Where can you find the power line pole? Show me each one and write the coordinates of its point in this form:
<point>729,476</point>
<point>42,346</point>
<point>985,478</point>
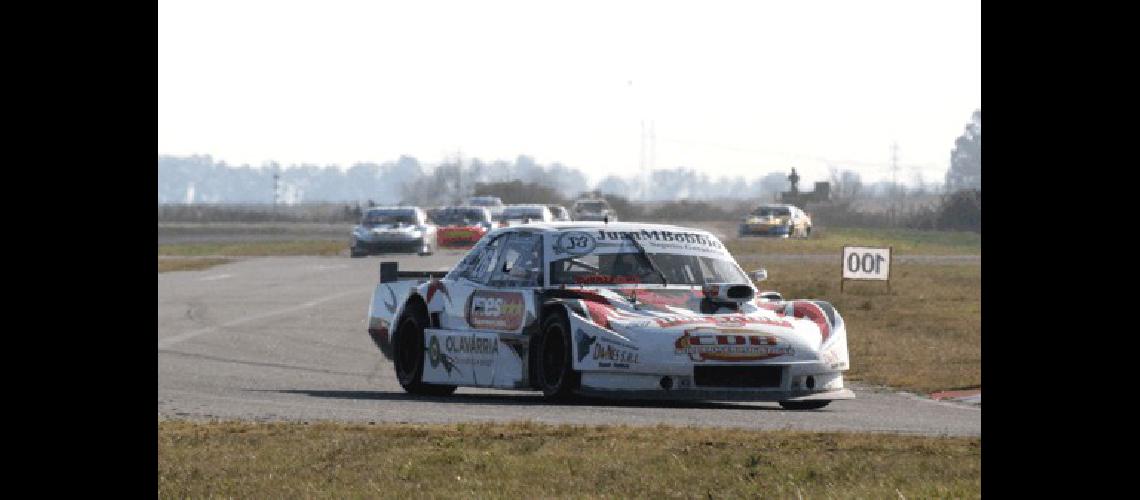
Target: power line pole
<point>276,177</point>
<point>652,145</point>
<point>894,163</point>
<point>459,176</point>
<point>641,165</point>
<point>894,180</point>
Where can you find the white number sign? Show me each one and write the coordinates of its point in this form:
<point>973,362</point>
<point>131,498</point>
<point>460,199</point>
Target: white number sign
<point>866,263</point>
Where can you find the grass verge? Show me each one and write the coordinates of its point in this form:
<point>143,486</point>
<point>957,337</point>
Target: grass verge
<point>255,248</point>
<point>527,460</point>
<point>924,334</point>
<point>168,265</point>
<point>832,240</point>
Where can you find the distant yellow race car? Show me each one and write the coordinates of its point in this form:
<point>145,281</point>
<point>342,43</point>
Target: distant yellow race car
<point>786,221</point>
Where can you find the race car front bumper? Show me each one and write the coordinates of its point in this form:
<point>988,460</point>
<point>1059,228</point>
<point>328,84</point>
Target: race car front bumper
<point>458,237</point>
<point>765,230</point>
<point>794,382</point>
<point>416,245</point>
<point>721,395</point>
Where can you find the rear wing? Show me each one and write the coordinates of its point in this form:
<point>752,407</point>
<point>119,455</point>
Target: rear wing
<point>389,272</point>
<point>389,298</point>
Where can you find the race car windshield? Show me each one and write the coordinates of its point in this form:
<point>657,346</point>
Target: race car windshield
<point>635,268</point>
<point>771,211</point>
<point>519,213</point>
<point>388,218</point>
<point>460,217</point>
<point>486,202</point>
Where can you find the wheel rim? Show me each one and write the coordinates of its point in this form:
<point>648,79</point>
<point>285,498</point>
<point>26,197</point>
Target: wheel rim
<point>408,355</point>
<point>553,357</point>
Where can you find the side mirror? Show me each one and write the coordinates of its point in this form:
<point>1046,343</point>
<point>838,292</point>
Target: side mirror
<point>759,274</point>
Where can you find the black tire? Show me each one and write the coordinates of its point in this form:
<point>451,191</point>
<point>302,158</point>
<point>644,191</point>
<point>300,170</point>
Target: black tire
<point>807,233</point>
<point>408,347</point>
<point>554,371</point>
<point>354,253</point>
<point>804,405</point>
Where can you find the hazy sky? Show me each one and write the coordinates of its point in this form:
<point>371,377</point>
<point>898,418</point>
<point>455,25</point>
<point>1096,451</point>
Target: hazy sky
<point>731,87</point>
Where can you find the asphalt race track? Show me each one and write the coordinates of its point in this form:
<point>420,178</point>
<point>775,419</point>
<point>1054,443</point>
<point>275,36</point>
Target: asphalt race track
<point>283,338</point>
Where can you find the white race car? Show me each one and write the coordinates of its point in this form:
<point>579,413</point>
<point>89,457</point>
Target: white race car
<point>625,310</point>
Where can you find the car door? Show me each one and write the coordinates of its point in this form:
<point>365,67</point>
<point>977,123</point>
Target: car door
<point>454,352</point>
<point>490,293</point>
<point>504,302</point>
<point>472,273</point>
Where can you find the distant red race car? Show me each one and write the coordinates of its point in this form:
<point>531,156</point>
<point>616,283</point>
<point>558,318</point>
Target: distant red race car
<point>462,226</point>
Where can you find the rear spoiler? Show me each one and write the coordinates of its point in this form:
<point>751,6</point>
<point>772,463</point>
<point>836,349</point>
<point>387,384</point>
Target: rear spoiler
<point>389,272</point>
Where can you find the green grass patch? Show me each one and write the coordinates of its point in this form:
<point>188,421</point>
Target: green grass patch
<point>255,248</point>
<point>196,264</point>
<point>832,241</point>
<point>923,334</point>
<point>526,460</point>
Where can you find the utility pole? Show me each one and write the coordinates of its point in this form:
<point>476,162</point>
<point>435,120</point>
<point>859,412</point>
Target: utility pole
<point>459,176</point>
<point>641,165</point>
<point>652,145</point>
<point>275,179</point>
<point>894,180</point>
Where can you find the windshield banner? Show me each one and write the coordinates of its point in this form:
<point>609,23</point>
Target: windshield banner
<point>599,241</point>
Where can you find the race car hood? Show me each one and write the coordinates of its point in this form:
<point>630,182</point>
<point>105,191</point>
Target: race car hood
<point>671,320</point>
<point>389,228</point>
<point>387,231</point>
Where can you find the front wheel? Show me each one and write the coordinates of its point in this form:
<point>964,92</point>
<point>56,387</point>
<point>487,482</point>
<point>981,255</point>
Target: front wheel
<point>803,405</point>
<point>409,359</point>
<point>555,372</point>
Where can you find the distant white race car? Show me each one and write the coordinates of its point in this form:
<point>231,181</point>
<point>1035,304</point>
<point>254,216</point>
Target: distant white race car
<point>393,230</point>
<point>624,310</point>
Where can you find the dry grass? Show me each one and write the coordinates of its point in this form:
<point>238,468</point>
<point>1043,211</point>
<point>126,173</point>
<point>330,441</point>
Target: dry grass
<point>526,460</point>
<point>832,240</point>
<point>190,264</point>
<point>924,334</point>
<point>256,248</point>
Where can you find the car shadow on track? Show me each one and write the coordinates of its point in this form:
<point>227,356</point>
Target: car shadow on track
<point>523,399</point>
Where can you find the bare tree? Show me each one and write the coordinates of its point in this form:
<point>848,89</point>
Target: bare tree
<point>966,157</point>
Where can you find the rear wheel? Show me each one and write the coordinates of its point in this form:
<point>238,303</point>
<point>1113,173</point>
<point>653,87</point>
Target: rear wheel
<point>409,358</point>
<point>804,405</point>
<point>354,252</point>
<point>555,372</point>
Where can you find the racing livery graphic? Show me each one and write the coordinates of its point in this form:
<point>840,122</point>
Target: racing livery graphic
<point>495,310</point>
<point>720,345</point>
<point>437,356</point>
<point>623,310</point>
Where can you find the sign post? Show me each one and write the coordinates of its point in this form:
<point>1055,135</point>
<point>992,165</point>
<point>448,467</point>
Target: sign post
<point>866,263</point>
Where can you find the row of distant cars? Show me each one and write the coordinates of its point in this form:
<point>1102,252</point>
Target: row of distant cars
<point>409,229</point>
